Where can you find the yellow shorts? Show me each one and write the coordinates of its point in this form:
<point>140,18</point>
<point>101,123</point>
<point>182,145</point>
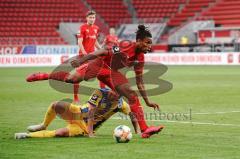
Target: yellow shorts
<point>76,125</point>
<point>75,130</point>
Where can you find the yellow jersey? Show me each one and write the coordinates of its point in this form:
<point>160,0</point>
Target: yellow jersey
<point>104,107</point>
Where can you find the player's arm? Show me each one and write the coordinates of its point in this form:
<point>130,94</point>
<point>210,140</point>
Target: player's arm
<point>79,61</point>
<point>134,122</point>
<point>93,102</point>
<point>80,44</point>
<point>141,88</point>
<point>92,109</point>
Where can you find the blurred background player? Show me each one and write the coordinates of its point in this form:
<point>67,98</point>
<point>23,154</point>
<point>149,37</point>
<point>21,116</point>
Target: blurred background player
<point>111,38</point>
<point>106,104</point>
<point>87,41</point>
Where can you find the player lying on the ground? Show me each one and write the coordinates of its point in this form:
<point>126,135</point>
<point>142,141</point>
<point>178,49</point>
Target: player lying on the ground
<point>105,64</point>
<point>104,104</point>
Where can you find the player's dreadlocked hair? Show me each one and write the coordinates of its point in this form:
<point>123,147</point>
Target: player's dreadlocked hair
<point>143,32</point>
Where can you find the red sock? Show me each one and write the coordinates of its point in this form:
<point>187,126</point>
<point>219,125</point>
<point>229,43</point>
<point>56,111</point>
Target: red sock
<point>75,91</point>
<point>59,76</point>
<point>137,109</point>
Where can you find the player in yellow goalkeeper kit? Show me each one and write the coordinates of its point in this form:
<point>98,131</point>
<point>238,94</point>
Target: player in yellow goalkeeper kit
<point>81,119</point>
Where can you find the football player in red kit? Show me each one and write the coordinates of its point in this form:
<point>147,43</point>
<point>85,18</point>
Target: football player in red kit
<point>87,41</point>
<point>87,37</point>
<point>111,38</point>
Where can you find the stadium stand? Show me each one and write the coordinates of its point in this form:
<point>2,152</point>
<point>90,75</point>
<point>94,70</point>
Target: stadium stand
<point>224,13</point>
<point>157,9</point>
<point>111,11</point>
<point>36,22</point>
<point>190,10</point>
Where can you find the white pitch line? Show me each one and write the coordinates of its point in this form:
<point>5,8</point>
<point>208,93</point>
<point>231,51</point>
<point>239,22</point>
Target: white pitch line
<point>198,123</point>
<point>187,122</point>
<point>209,113</point>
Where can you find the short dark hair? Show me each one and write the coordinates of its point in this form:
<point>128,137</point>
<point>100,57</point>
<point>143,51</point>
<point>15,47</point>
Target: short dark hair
<point>91,12</point>
<point>143,32</point>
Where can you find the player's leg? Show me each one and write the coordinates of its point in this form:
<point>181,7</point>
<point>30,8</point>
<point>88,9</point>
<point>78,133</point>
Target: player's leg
<point>75,77</point>
<point>133,100</point>
<point>83,72</point>
<point>71,113</point>
<point>136,108</point>
<point>59,108</point>
<point>49,117</point>
<point>115,80</point>
<point>67,111</point>
<point>75,93</point>
<point>122,86</point>
<point>69,131</point>
<point>62,132</point>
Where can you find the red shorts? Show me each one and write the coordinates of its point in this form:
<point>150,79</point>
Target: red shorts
<point>95,68</point>
<point>90,70</point>
<point>112,78</point>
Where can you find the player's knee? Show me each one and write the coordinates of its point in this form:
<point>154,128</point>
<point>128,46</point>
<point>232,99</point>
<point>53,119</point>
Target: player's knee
<point>69,80</point>
<point>59,107</point>
<point>132,97</point>
<point>131,94</point>
<point>73,79</point>
<point>53,106</point>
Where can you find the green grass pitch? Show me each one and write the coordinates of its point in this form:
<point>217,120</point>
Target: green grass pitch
<point>212,93</point>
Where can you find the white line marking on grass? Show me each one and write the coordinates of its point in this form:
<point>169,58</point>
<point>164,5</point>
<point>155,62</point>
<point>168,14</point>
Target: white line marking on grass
<point>187,122</point>
<point>199,123</point>
<point>209,113</point>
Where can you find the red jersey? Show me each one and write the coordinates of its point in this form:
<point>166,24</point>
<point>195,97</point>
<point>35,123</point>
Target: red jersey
<point>89,34</point>
<point>127,57</point>
<point>111,39</point>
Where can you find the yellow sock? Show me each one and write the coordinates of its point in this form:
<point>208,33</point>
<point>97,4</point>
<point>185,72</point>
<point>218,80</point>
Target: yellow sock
<point>49,116</point>
<point>43,133</point>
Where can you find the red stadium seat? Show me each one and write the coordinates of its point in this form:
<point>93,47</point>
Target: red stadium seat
<point>114,9</point>
<point>29,19</point>
<point>225,13</point>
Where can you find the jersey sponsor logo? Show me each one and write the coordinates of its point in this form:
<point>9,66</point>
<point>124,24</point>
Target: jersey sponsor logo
<point>95,30</point>
<point>92,36</point>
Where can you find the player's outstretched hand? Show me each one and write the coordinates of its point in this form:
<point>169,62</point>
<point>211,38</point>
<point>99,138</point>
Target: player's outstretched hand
<point>153,105</point>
